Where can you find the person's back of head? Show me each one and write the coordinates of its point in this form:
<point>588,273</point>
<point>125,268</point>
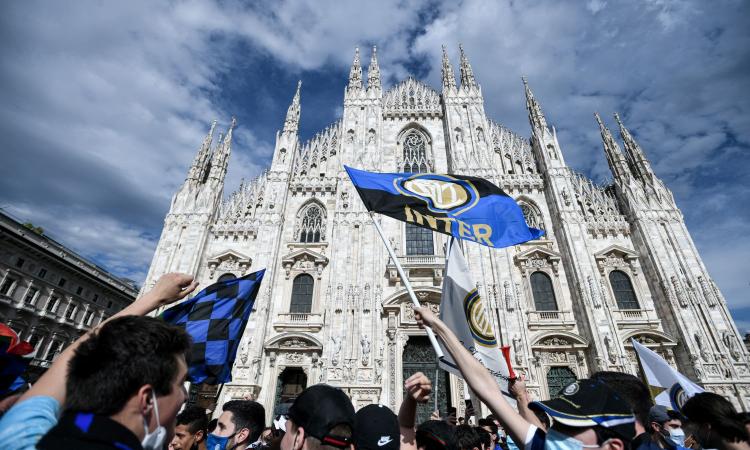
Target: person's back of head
<point>321,418</point>
<point>467,438</point>
<point>246,415</point>
<point>716,420</point>
<point>631,389</point>
<point>436,435</point>
<point>126,354</point>
<point>191,428</point>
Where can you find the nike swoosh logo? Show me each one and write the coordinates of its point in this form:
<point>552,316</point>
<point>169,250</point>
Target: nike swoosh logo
<point>384,440</point>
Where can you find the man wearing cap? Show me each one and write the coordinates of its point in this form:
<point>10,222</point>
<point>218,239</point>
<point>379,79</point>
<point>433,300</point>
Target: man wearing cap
<point>321,418</point>
<point>587,415</point>
<point>666,429</point>
<point>376,428</point>
<point>590,414</point>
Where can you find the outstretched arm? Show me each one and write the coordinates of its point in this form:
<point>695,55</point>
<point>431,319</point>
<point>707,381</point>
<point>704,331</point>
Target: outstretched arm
<point>477,377</point>
<point>518,391</point>
<point>418,388</point>
<point>170,288</point>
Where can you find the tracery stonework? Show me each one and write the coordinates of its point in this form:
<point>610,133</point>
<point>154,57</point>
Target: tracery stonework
<point>301,216</point>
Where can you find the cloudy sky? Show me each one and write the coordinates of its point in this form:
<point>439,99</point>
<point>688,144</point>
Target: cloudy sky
<point>105,103</point>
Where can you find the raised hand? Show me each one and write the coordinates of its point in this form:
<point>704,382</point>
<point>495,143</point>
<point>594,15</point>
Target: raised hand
<point>424,317</point>
<point>172,287</point>
<point>418,387</point>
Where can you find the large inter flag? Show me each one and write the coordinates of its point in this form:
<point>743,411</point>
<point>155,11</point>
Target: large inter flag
<point>216,318</point>
<point>668,386</point>
<point>466,207</point>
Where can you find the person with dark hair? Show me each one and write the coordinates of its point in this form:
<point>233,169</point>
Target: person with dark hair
<point>436,435</point>
<point>239,424</point>
<point>191,430</point>
<point>636,394</point>
<point>461,421</point>
<point>467,438</point>
<point>666,430</point>
<point>321,418</point>
<point>717,423</point>
<point>120,382</point>
<point>212,425</point>
<point>491,427</point>
<point>485,438</point>
<point>587,415</point>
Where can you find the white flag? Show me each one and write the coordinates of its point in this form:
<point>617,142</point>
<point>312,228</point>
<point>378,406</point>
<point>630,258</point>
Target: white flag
<point>668,387</point>
<point>463,312</point>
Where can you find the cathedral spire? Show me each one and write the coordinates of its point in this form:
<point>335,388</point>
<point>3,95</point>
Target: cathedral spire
<point>616,160</point>
<point>220,158</point>
<point>636,154</point>
<point>467,75</point>
<point>291,123</point>
<point>373,72</point>
<point>203,156</point>
<point>536,116</point>
<point>449,77</point>
<point>355,74</point>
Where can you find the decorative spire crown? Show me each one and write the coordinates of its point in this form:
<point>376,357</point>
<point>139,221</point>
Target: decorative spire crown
<point>373,72</point>
<point>449,77</point>
<point>291,123</point>
<point>355,74</point>
<point>536,116</point>
<point>467,75</point>
<point>634,151</point>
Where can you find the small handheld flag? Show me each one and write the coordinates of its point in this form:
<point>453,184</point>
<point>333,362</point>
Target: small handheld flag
<point>668,387</point>
<point>465,207</point>
<point>216,318</point>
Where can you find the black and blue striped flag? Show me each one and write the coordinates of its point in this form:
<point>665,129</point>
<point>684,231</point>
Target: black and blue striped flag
<point>216,318</point>
<point>466,207</point>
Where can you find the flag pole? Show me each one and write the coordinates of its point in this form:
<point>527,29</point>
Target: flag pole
<point>407,284</point>
<point>437,384</point>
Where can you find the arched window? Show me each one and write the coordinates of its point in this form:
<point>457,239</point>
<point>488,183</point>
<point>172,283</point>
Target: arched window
<point>312,224</point>
<point>226,277</point>
<point>558,378</point>
<point>302,294</point>
<point>532,216</point>
<point>544,294</point>
<point>419,240</point>
<point>623,289</point>
<point>415,152</point>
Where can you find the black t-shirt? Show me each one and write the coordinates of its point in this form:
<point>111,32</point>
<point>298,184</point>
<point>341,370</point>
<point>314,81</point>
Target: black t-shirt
<point>86,431</point>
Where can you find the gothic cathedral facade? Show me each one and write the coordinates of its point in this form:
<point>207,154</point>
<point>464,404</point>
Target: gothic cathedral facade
<point>617,262</point>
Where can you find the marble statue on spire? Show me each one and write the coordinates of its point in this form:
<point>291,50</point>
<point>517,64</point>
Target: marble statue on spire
<point>355,74</point>
<point>467,75</point>
<point>291,123</point>
<point>373,72</point>
<point>449,77</point>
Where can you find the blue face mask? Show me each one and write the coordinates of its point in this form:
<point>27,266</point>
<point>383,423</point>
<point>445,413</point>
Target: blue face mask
<point>558,441</point>
<point>215,442</point>
<point>511,445</point>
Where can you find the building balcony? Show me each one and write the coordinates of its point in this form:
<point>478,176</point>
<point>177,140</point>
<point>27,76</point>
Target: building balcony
<point>312,322</point>
<point>542,320</point>
<point>418,266</point>
<point>635,318</point>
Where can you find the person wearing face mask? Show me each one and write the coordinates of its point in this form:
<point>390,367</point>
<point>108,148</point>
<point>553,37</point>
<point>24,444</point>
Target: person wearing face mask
<point>124,387</point>
<point>191,430</point>
<point>112,374</point>
<point>239,425</point>
<point>666,429</point>
<point>587,415</point>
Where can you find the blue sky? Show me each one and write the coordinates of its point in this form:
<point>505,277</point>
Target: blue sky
<point>105,103</point>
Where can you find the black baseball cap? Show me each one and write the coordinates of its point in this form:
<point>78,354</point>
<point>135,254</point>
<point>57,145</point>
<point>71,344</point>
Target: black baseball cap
<point>589,403</point>
<point>436,435</point>
<point>319,409</point>
<point>376,428</point>
<point>661,414</point>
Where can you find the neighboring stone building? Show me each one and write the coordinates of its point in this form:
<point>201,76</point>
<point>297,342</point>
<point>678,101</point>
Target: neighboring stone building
<point>49,294</point>
<point>617,262</point>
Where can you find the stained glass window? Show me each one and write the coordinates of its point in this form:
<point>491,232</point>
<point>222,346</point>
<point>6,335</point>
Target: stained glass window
<point>623,289</point>
<point>302,294</point>
<point>544,293</point>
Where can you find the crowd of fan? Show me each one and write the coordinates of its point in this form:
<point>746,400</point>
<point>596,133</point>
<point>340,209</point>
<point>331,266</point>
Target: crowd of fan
<point>121,386</point>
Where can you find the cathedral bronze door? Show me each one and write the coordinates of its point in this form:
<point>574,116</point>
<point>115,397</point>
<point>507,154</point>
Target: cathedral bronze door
<point>558,378</point>
<point>292,381</point>
<point>419,356</point>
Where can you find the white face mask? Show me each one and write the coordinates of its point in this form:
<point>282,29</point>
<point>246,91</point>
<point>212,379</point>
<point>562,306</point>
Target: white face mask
<point>559,441</point>
<point>154,440</point>
<point>677,436</point>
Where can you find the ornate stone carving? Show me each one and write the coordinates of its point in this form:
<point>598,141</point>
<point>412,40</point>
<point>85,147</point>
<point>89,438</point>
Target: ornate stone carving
<point>594,292</point>
<point>681,297</point>
<point>364,342</point>
<point>555,341</point>
<point>335,349</point>
<point>731,343</point>
<point>508,296</point>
